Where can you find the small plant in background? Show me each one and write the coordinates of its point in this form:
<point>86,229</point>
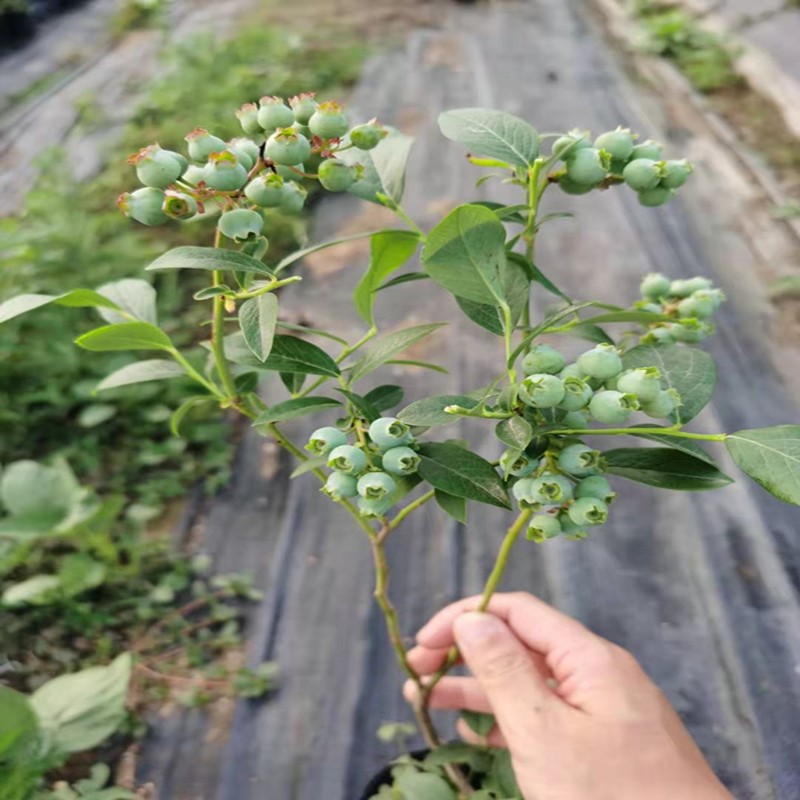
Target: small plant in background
<point>135,14</point>
<point>380,465</point>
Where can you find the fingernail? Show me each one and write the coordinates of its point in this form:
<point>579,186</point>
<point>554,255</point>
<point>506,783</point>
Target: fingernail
<point>474,627</point>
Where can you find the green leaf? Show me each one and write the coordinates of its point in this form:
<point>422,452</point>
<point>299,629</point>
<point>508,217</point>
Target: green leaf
<point>77,298</point>
<point>315,462</point>
<point>430,410</point>
<point>181,412</point>
<point>771,457</point>
<point>246,382</point>
<point>479,722</point>
<point>516,432</point>
<point>410,362</point>
<point>39,590</point>
<point>389,251</point>
<point>406,277</point>
<point>96,414</point>
<point>361,406</point>
<point>155,369</point>
<point>293,381</point>
<point>389,346</point>
<point>384,167</point>
<point>535,274</point>
<point>385,396</point>
<point>645,317</point>
<point>456,507</point>
<point>475,757</point>
<point>79,572</point>
<point>291,354</point>
<point>691,372</point>
<point>687,445</point>
<point>257,319</point>
<point>30,488</point>
<point>465,253</point>
<point>79,711</point>
<point>291,409</point>
<point>592,333</point>
<point>209,292</point>
<point>125,336</point>
<point>307,329</point>
<point>424,786</point>
<point>502,775</point>
<point>135,297</point>
<point>665,468</point>
<point>488,317</point>
<point>208,258</point>
<point>462,473</point>
<point>18,725</point>
<point>495,134</point>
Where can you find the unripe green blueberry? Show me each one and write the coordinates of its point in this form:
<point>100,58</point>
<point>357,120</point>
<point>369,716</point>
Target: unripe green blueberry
<point>290,173</point>
<point>389,432</point>
<point>303,107</point>
<point>373,509</point>
<point>659,335</point>
<point>145,205</point>
<point>224,172</point>
<point>543,358</point>
<point>653,308</point>
<point>618,143</point>
<point>654,286</point>
<point>655,197</point>
<point>338,486</point>
<point>273,113</point>
<point>567,145</point>
<point>368,136</point>
<point>376,485</point>
<point>265,190</point>
<point>595,486</point>
<point>550,489</point>
<point>577,394</point>
<point>336,176</point>
<point>401,461</point>
<point>202,144</point>
<point>323,440</point>
<point>542,527</point>
<point>248,119</point>
<point>700,305</point>
<point>328,121</point>
<point>541,390</point>
<point>287,147</point>
<point>178,205</point>
<point>642,174</point>
<point>570,529</point>
<point>676,173</point>
<point>572,371</point>
<point>523,492</point>
<point>576,420</point>
<point>683,288</point>
<point>690,330</point>
<point>661,406</point>
<point>601,362</point>
<point>612,407</point>
<point>156,167</point>
<point>588,166</point>
<point>513,462</point>
<point>588,511</point>
<point>241,224</point>
<point>194,175</point>
<point>644,382</point>
<point>294,198</point>
<point>580,461</point>
<point>648,149</point>
<point>245,145</point>
<point>180,158</point>
<point>568,186</point>
<point>348,459</point>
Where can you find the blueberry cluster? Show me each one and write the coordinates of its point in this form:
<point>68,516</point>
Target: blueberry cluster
<point>615,156</point>
<point>692,302</point>
<point>368,469</point>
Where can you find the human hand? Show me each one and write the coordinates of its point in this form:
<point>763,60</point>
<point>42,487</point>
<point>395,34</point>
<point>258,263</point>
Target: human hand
<point>581,718</point>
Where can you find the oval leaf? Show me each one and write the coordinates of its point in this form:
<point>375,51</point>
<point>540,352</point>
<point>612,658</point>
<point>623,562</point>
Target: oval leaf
<point>135,297</point>
<point>456,507</point>
<point>155,369</point>
<point>77,298</point>
<point>291,354</point>
<point>125,336</point>
<point>424,786</point>
<point>362,407</point>
<point>430,411</point>
<point>665,468</point>
<point>385,396</point>
<point>18,725</point>
<point>384,167</point>
<point>516,432</point>
<point>208,258</point>
<point>299,407</point>
<point>257,319</point>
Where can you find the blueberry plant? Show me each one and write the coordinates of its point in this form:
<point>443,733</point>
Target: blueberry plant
<point>647,383</point>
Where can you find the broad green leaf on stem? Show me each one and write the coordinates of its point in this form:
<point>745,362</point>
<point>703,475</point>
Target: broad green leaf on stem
<point>488,317</point>
<point>293,381</point>
<point>186,407</point>
<point>407,277</point>
<point>125,336</point>
<point>291,354</point>
<point>472,755</point>
<point>405,485</point>
<point>771,457</point>
<point>257,319</point>
<point>687,445</point>
<point>688,370</point>
<point>462,473</point>
<point>665,468</point>
<point>385,396</point>
<point>495,134</point>
<point>245,382</point>
<point>79,572</point>
<point>424,786</point>
<point>645,317</point>
<point>384,167</point>
<point>389,251</point>
<point>456,507</point>
<point>508,213</point>
<point>30,488</point>
<point>592,333</point>
<point>516,432</point>
<point>479,722</point>
<point>309,465</point>
<point>535,274</point>
<point>208,258</point>
<point>502,776</point>
<point>298,407</point>
<point>135,297</point>
<point>430,411</point>
<point>77,298</point>
<point>39,590</point>
<point>155,369</point>
<point>385,349</point>
<point>18,725</point>
<point>361,405</point>
<point>465,253</point>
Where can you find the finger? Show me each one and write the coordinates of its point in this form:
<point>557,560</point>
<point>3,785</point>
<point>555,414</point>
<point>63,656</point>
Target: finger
<point>453,694</point>
<point>426,660</point>
<point>495,737</point>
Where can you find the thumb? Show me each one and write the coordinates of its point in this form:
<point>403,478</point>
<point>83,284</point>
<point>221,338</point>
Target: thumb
<point>505,671</point>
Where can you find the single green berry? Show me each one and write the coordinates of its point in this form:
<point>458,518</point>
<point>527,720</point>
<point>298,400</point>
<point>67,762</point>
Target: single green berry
<point>156,167</point>
<point>323,440</point>
<point>248,119</point>
<point>550,489</point>
<point>566,146</point>
<point>588,511</point>
<point>373,509</point>
<point>648,149</point>
<point>580,461</point>
<point>376,485</point>
<point>178,205</point>
<point>348,459</point>
<point>389,432</point>
<point>568,186</point>
<point>653,308</point>
<point>570,530</point>
<point>655,197</point>
<point>644,382</point>
<point>572,371</point>
<point>642,174</point>
<point>542,527</point>
<point>542,390</point>
<point>595,486</point>
<point>338,486</point>
<point>294,198</point>
<point>303,107</point>
<point>683,288</point>
<point>145,205</point>
<point>180,158</point>
<point>601,362</point>
<point>328,121</point>
<point>368,136</point>
<point>194,175</point>
<point>523,492</point>
<point>242,156</point>
<point>401,461</point>
<point>266,190</point>
<point>202,144</point>
<point>690,330</point>
<point>543,358</point>
<point>659,335</point>
<point>224,172</point>
<point>676,173</point>
<point>654,286</point>
<point>618,143</point>
<point>241,224</point>
<point>519,464</point>
<point>661,406</point>
<point>612,407</point>
<point>577,394</point>
<point>273,113</point>
<point>287,147</point>
<point>576,420</point>
<point>245,145</point>
<point>336,176</point>
<point>588,166</point>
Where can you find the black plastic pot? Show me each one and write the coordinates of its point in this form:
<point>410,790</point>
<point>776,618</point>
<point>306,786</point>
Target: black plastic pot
<point>384,777</point>
<point>16,29</point>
